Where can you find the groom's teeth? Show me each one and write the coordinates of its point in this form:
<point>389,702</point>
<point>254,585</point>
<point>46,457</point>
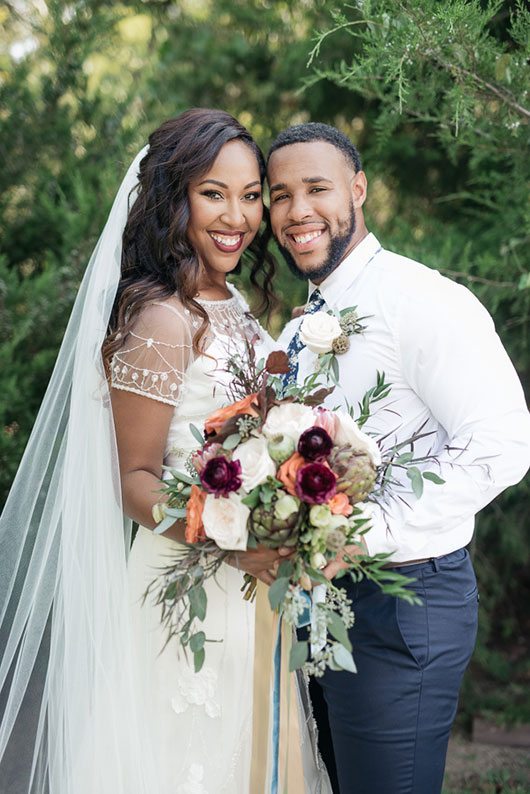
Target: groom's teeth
<point>221,238</point>
<point>306,238</point>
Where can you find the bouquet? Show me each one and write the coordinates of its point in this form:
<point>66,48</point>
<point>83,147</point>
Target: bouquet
<point>276,468</point>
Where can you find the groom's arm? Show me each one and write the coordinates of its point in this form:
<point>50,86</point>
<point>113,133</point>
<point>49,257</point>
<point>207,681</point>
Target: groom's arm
<point>455,362</point>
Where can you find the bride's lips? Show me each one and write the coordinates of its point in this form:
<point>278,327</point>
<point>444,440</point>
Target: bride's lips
<point>305,238</point>
<point>228,242</point>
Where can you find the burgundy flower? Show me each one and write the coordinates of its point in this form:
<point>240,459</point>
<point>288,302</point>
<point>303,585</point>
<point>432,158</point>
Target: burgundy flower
<point>200,457</point>
<point>221,476</point>
<point>315,444</point>
<point>315,483</point>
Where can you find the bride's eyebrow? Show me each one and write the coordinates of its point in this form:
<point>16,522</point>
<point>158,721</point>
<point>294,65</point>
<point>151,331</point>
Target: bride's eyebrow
<point>222,184</point>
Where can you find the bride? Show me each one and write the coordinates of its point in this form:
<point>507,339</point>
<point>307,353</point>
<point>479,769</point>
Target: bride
<point>90,700</point>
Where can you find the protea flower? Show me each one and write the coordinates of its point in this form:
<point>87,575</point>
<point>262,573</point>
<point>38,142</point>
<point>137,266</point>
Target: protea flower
<point>355,472</point>
<point>272,531</point>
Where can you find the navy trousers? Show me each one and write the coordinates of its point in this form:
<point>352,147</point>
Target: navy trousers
<point>389,724</point>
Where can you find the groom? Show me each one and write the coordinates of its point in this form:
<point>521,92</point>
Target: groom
<point>451,378</point>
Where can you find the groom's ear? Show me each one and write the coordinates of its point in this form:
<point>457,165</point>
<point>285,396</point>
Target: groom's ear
<point>359,189</point>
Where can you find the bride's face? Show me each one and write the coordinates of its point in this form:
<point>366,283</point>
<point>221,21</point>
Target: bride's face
<point>225,208</point>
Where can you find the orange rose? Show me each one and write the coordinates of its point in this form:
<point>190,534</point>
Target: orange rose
<point>340,505</point>
<point>194,526</point>
<point>215,422</point>
<point>286,474</point>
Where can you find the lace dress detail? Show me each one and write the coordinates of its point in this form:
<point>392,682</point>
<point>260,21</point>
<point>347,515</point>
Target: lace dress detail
<point>158,351</point>
<point>193,783</point>
<point>156,354</point>
<point>197,689</point>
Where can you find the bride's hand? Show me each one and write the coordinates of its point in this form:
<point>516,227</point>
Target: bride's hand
<point>297,311</point>
<point>260,562</point>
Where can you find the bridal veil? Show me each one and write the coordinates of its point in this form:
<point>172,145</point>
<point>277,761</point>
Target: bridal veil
<point>70,721</point>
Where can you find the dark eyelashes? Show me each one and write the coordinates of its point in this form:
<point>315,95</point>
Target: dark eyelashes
<point>215,194</point>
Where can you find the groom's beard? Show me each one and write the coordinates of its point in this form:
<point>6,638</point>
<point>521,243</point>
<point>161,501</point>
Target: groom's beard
<point>338,246</point>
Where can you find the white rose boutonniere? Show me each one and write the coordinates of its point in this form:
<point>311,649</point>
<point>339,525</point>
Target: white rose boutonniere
<point>225,521</point>
<point>327,333</point>
<point>319,330</point>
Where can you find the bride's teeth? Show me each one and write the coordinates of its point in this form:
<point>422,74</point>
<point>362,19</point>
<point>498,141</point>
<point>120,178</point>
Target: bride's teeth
<point>305,238</point>
<point>226,240</point>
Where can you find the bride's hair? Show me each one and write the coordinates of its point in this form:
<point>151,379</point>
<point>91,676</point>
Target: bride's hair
<point>157,258</point>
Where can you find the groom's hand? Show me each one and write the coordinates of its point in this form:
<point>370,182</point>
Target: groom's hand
<point>339,564</point>
<point>260,562</point>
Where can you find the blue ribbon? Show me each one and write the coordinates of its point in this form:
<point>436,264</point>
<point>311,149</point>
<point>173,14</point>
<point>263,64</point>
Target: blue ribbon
<point>276,709</point>
<point>304,620</point>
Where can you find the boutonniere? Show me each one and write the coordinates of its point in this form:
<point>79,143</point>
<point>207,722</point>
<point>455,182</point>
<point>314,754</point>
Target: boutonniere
<point>327,333</point>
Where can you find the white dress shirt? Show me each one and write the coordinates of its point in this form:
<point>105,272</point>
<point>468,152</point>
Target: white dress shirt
<point>450,376</point>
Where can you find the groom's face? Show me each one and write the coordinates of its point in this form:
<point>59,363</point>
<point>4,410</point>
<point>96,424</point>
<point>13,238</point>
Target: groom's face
<point>312,200</point>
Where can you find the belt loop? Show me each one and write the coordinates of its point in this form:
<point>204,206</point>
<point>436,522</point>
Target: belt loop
<point>435,564</point>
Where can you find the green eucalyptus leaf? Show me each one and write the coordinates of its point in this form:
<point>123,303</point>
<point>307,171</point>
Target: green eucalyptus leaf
<point>343,658</point>
<point>432,477</point>
<point>231,441</point>
<point>338,630</point>
<point>416,480</point>
<point>175,512</point>
<point>251,500</point>
<point>181,476</point>
<point>197,641</point>
<point>196,433</point>
<point>316,576</point>
<point>164,525</point>
<point>285,569</point>
<point>277,592</point>
<point>335,369</point>
<point>198,659</point>
<point>198,602</point>
<point>298,655</point>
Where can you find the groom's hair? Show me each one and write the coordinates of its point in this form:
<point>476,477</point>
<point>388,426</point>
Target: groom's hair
<point>315,131</point>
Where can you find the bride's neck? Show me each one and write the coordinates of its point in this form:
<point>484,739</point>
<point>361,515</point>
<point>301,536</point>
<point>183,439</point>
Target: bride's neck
<point>213,287</point>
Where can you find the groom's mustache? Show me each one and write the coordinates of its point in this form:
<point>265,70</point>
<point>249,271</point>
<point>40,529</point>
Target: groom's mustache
<point>316,226</point>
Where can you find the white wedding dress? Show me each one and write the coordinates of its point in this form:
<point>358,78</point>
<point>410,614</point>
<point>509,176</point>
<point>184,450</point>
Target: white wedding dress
<point>201,723</point>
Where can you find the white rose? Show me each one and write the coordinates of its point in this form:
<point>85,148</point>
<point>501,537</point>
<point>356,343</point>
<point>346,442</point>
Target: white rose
<point>256,463</point>
<point>288,419</point>
<point>349,433</point>
<point>225,521</point>
<point>318,331</point>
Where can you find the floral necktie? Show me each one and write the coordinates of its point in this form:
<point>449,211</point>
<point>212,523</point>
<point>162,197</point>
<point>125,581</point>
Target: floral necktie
<point>313,305</point>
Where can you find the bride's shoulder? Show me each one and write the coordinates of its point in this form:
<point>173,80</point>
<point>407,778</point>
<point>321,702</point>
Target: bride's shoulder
<point>166,320</point>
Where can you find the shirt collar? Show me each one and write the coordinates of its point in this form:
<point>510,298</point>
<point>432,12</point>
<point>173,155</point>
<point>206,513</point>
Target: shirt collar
<point>334,286</point>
